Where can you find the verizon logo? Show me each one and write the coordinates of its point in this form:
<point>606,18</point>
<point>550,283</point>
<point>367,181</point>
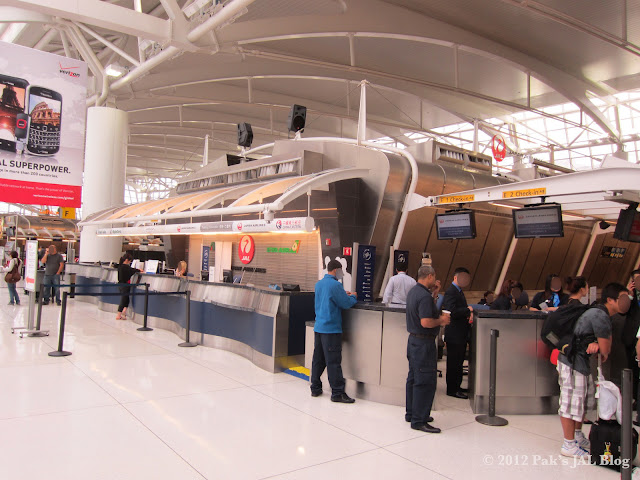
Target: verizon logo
<point>67,71</point>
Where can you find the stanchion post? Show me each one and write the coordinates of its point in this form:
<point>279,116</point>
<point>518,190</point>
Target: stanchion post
<point>40,296</point>
<point>63,314</point>
<point>187,343</point>
<point>626,443</point>
<point>491,419</point>
<point>144,327</point>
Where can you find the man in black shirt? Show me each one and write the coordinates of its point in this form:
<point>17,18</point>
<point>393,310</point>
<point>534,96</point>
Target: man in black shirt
<point>423,325</point>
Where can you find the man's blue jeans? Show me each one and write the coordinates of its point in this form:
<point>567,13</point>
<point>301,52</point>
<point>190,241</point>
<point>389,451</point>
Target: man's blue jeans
<point>51,280</point>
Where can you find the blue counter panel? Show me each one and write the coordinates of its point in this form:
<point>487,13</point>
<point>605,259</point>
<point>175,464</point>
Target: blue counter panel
<point>247,327</point>
<point>301,310</point>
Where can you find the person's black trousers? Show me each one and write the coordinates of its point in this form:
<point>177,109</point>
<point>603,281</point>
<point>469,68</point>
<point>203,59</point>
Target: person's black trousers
<point>422,354</point>
<point>455,361</point>
<point>327,353</point>
<point>124,300</point>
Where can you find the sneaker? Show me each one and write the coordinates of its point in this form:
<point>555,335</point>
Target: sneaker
<point>583,442</point>
<point>573,450</point>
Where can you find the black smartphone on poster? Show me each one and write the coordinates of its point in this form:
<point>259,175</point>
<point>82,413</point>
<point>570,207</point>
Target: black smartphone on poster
<point>45,116</point>
<point>12,103</point>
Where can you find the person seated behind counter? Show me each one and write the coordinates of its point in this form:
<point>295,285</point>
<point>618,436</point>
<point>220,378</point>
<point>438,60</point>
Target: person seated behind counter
<point>398,286</point>
<point>488,298</point>
<point>423,325</point>
<point>552,296</point>
<point>504,300</point>
<point>181,271</point>
<point>330,300</point>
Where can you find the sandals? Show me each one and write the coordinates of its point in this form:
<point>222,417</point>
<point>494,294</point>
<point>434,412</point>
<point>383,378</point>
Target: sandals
<point>119,317</point>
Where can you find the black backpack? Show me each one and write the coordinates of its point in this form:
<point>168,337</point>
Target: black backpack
<point>557,329</point>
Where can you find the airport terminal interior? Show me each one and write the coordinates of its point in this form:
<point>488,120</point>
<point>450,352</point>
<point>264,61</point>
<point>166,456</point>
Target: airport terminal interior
<point>183,181</point>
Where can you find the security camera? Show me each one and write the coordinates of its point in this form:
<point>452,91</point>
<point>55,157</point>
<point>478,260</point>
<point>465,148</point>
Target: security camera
<point>604,225</point>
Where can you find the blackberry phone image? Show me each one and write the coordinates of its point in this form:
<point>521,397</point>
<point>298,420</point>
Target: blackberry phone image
<point>45,114</point>
<point>12,103</point>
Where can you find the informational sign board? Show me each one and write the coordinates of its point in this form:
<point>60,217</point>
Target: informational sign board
<point>69,213</point>
<point>31,265</point>
<point>455,225</point>
<point>400,256</point>
<point>530,192</point>
<point>364,275</point>
<point>538,222</point>
<point>42,127</point>
<point>456,199</point>
<point>246,249</point>
<point>206,250</point>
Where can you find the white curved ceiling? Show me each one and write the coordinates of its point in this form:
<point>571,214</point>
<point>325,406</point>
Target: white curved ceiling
<point>430,63</point>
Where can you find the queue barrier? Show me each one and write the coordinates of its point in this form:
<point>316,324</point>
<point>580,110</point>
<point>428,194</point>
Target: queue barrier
<point>491,419</point>
<point>60,352</point>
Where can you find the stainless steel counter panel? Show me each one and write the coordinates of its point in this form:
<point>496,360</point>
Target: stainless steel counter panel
<point>526,382</point>
<point>394,364</point>
<point>374,353</point>
<point>361,345</point>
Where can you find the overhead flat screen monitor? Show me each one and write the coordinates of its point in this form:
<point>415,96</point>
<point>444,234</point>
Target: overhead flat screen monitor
<point>456,225</point>
<point>538,222</point>
<point>628,226</point>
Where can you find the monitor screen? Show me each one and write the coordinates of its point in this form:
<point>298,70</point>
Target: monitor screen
<point>538,222</point>
<point>628,226</point>
<point>456,225</point>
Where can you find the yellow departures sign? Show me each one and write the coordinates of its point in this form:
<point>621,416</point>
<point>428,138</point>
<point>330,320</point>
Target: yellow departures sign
<point>456,199</point>
<point>532,192</point>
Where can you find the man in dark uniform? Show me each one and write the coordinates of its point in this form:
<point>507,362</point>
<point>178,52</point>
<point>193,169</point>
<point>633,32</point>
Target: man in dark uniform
<point>456,334</point>
<point>423,324</point>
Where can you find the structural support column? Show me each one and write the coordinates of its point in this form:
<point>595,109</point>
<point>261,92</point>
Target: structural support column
<point>105,167</point>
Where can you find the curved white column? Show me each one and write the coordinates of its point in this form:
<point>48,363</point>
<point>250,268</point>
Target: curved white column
<point>105,167</point>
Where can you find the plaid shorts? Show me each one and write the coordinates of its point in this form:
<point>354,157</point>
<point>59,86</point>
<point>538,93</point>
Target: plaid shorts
<point>577,393</point>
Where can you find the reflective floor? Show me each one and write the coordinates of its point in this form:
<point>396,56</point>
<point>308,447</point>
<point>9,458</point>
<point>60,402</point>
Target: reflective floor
<point>134,405</point>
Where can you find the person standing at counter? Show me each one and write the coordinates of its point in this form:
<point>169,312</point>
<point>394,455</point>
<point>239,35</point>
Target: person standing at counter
<point>398,286</point>
<point>423,325</point>
<point>456,334</point>
<point>330,300</point>
<point>591,335</point>
<point>125,272</point>
<point>503,300</point>
<point>53,265</point>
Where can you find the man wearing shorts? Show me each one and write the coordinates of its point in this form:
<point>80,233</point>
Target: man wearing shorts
<point>592,335</point>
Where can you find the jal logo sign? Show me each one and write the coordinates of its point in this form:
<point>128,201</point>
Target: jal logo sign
<point>246,249</point>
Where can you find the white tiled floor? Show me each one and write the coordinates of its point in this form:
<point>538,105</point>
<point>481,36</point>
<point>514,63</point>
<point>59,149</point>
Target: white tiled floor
<point>133,405</point>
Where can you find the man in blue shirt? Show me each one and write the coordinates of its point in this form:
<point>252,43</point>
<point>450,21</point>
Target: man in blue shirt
<point>330,300</point>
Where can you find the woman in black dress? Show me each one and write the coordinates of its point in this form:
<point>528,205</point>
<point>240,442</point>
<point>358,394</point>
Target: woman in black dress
<point>125,272</point>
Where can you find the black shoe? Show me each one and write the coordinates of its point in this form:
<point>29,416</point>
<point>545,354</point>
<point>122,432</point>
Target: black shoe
<point>342,398</point>
<point>464,390</point>
<point>316,394</point>
<point>636,423</point>
<point>407,418</point>
<point>45,303</point>
<point>58,303</point>
<point>425,427</point>
<point>460,395</point>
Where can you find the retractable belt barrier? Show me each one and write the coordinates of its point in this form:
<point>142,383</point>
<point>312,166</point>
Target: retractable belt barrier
<point>60,352</point>
<point>491,419</point>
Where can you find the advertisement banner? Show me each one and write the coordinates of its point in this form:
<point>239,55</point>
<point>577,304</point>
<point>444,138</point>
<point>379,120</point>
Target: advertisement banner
<point>42,127</point>
<point>31,265</point>
<point>364,276</point>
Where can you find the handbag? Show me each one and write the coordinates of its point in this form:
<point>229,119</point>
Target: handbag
<point>13,276</point>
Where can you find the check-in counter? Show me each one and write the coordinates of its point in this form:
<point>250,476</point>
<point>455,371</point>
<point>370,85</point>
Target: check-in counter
<point>265,326</point>
<point>526,381</point>
<point>374,352</point>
